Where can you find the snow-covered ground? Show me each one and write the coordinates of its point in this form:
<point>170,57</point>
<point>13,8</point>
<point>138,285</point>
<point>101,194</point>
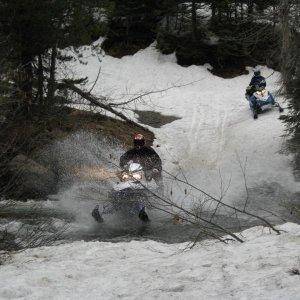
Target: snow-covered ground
<point>257,269</point>
<point>215,129</point>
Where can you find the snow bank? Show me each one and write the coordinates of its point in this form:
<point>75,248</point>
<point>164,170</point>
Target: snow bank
<point>256,269</point>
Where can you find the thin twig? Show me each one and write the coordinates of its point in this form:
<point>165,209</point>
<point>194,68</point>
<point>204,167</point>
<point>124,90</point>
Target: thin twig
<point>152,92</point>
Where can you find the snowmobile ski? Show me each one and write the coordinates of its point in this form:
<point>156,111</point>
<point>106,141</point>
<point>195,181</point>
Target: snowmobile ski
<point>143,216</point>
<point>96,214</point>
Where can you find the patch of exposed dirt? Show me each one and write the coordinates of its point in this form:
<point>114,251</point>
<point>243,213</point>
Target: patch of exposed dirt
<point>107,126</point>
<point>154,119</point>
<point>35,133</point>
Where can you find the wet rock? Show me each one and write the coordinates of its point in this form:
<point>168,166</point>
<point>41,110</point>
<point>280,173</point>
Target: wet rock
<point>31,179</point>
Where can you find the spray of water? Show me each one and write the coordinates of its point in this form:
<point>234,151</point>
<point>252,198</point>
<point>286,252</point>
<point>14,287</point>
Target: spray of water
<point>82,163</point>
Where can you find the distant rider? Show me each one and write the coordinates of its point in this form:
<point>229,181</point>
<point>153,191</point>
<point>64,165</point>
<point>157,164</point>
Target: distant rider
<point>256,101</point>
<point>145,156</point>
<point>257,81</point>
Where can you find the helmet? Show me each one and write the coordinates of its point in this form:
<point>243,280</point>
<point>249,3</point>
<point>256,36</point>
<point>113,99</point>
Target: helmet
<point>256,71</point>
<point>138,140</point>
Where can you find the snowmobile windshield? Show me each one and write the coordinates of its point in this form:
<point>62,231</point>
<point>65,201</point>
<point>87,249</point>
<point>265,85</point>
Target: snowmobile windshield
<point>134,167</point>
<point>134,172</point>
<point>262,95</point>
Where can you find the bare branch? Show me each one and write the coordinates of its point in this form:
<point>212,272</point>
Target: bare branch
<point>243,169</point>
<point>227,205</point>
<point>152,92</point>
<point>96,80</point>
<point>97,102</point>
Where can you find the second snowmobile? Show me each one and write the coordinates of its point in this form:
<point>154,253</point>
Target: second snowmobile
<point>260,99</point>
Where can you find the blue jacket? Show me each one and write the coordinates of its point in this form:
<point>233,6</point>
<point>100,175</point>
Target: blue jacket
<point>258,80</point>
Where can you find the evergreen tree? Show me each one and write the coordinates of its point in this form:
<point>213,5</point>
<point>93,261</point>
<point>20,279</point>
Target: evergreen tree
<point>132,25</point>
<point>290,66</point>
<point>31,30</point>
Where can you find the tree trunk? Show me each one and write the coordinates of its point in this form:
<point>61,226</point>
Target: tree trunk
<point>40,80</point>
<point>181,21</point>
<point>51,83</point>
<point>177,16</point>
<point>97,102</point>
<point>242,11</point>
<point>213,10</point>
<point>220,13</point>
<point>274,17</point>
<point>26,79</point>
<point>168,23</point>
<point>235,10</point>
<point>250,9</point>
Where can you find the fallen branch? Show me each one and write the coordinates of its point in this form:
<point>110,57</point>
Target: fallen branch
<point>111,104</point>
<point>224,204</point>
<point>189,213</point>
<point>97,101</point>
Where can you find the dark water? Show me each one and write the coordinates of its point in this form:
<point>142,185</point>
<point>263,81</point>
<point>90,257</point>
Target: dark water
<point>160,228</point>
<point>269,201</point>
<point>68,214</point>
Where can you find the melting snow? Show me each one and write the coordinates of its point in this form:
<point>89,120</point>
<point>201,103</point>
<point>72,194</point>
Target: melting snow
<point>215,126</point>
<point>256,269</point>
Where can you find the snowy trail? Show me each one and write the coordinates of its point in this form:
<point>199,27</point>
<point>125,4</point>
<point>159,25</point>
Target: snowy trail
<point>215,124</point>
<point>256,269</point>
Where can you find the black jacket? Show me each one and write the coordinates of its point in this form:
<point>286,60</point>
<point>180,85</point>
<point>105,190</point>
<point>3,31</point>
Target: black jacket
<point>145,156</point>
<point>258,80</point>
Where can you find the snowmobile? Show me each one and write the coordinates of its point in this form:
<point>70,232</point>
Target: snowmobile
<point>260,100</point>
<point>130,195</point>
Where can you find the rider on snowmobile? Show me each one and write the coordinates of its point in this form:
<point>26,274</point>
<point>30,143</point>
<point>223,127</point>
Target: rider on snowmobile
<point>145,156</point>
<point>255,100</point>
<point>152,167</point>
<point>257,81</point>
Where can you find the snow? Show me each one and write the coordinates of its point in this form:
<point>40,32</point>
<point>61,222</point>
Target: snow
<point>214,132</point>
<point>257,269</point>
<point>215,129</point>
